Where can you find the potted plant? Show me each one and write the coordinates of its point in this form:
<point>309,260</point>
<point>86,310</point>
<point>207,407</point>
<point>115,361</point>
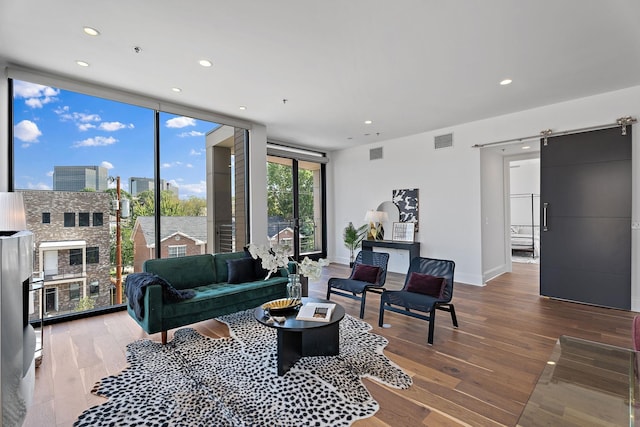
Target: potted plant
<point>352,237</point>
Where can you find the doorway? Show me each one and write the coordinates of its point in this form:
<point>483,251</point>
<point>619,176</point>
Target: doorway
<point>295,203</point>
<point>524,206</point>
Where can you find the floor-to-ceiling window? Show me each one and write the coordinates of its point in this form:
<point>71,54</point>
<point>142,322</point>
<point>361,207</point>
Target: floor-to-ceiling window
<point>73,151</point>
<point>296,202</point>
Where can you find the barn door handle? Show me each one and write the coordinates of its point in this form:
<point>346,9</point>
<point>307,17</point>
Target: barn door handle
<point>544,217</point>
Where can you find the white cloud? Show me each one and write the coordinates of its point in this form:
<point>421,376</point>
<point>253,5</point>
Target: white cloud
<point>114,126</point>
<point>180,122</point>
<point>195,152</point>
<point>84,117</point>
<point>198,188</point>
<point>107,165</point>
<point>189,165</point>
<point>85,126</point>
<point>190,134</point>
<point>98,141</point>
<point>39,102</point>
<point>35,95</point>
<point>27,131</point>
<point>50,173</point>
<point>166,165</point>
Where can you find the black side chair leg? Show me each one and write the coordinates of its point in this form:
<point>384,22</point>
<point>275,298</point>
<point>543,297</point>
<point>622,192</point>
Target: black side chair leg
<point>432,324</point>
<point>362,303</point>
<point>381,314</point>
<point>328,291</point>
<point>454,319</point>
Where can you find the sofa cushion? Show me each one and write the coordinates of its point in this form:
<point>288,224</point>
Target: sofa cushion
<point>220,260</point>
<point>426,284</point>
<point>241,270</point>
<point>184,272</point>
<point>366,273</point>
<point>259,272</point>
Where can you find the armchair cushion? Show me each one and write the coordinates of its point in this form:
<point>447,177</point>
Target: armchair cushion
<point>366,273</point>
<point>426,284</point>
<point>241,270</point>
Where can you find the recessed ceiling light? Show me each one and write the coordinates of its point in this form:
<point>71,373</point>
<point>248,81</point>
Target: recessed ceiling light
<point>91,31</point>
<point>367,122</point>
<point>82,63</point>
<point>242,107</point>
<point>526,147</point>
<point>506,82</point>
<point>176,89</point>
<point>205,63</point>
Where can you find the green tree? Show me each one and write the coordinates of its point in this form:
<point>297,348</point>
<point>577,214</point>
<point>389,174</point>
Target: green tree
<point>279,191</point>
<point>194,206</point>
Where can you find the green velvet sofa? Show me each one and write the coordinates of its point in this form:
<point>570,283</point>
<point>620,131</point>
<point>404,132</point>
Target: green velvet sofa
<point>208,276</point>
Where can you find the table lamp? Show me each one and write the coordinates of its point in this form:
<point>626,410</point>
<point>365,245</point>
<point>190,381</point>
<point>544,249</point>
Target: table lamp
<point>12,214</point>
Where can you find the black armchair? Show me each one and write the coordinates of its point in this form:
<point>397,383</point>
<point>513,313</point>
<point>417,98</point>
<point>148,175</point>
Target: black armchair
<point>424,292</point>
<point>369,273</point>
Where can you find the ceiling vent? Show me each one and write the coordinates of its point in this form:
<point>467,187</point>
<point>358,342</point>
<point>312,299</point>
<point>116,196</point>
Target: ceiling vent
<point>375,153</point>
<point>443,141</point>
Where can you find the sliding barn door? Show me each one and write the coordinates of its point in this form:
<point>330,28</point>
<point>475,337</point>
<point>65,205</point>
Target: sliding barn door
<point>586,218</point>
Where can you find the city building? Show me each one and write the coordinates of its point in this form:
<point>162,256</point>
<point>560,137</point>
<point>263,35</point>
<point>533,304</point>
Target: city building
<point>71,247</point>
<point>138,185</point>
<point>79,178</point>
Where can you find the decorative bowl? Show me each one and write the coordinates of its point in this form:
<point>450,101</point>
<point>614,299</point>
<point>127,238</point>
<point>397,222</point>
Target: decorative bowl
<point>281,305</point>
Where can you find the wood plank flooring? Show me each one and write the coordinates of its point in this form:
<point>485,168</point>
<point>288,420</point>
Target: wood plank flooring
<point>480,374</point>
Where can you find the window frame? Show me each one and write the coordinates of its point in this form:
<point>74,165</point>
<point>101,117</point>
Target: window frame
<point>176,247</point>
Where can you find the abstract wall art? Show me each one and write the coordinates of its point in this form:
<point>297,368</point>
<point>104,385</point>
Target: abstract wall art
<point>407,202</point>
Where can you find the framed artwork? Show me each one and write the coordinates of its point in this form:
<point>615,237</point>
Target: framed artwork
<point>407,202</point>
<point>403,231</point>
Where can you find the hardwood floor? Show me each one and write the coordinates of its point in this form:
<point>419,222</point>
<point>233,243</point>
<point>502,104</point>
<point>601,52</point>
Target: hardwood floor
<point>480,374</point>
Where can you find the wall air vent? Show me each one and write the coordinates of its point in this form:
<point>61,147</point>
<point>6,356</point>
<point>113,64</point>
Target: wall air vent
<point>375,153</point>
<point>443,141</point>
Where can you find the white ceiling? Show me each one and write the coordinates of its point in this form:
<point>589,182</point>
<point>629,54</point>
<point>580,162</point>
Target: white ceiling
<point>409,66</point>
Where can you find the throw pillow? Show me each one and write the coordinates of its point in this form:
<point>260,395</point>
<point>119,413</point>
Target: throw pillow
<point>259,272</point>
<point>366,273</point>
<point>426,284</point>
<point>241,270</point>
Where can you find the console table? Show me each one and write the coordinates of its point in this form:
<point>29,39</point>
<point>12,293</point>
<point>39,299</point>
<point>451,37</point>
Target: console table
<point>397,263</point>
<point>412,247</point>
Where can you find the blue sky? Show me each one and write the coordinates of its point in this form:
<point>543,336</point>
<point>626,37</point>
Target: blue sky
<point>54,127</point>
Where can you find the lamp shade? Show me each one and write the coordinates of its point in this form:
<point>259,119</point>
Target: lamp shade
<point>12,214</point>
<point>370,216</point>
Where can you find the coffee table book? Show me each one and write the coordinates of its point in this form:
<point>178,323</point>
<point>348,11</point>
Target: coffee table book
<point>316,312</point>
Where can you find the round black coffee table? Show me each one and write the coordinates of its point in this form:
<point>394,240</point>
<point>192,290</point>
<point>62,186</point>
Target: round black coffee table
<point>300,338</point>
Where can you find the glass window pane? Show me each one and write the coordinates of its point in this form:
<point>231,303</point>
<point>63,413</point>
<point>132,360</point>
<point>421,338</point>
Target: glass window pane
<point>69,219</point>
<point>310,207</point>
<point>75,147</point>
<point>97,219</point>
<point>280,201</point>
<point>83,219</point>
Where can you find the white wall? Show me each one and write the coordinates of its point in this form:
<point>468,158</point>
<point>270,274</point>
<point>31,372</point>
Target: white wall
<point>449,180</point>
<point>494,215</point>
<point>449,195</point>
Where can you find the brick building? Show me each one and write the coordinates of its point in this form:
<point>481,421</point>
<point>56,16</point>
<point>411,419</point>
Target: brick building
<point>71,247</point>
<point>180,236</point>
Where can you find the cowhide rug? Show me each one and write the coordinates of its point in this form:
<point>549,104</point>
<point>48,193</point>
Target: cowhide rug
<point>200,381</point>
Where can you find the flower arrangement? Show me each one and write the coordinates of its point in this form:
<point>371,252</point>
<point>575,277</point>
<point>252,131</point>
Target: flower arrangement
<point>277,256</point>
